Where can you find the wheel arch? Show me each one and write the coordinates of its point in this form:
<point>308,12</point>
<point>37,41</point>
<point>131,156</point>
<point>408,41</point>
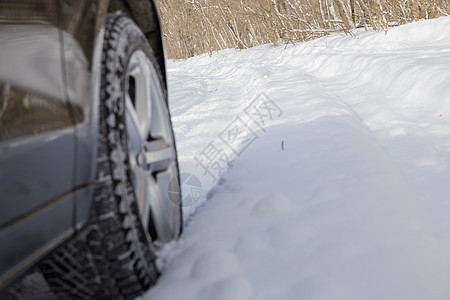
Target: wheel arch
<point>145,14</point>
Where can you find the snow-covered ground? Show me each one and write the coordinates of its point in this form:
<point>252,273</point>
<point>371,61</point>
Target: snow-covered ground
<point>338,179</point>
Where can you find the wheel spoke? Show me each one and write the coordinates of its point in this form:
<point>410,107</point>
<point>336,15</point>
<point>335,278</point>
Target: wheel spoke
<point>165,180</point>
<point>160,216</point>
<point>134,135</point>
<point>142,95</point>
<point>157,155</point>
<point>140,185</point>
<point>160,123</point>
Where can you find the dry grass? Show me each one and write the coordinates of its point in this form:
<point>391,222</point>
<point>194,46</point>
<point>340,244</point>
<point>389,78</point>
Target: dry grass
<point>193,27</point>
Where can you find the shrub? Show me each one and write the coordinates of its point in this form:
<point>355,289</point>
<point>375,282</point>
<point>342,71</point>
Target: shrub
<point>193,27</point>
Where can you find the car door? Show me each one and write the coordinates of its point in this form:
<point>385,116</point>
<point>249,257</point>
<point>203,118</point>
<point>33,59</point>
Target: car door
<point>36,135</point>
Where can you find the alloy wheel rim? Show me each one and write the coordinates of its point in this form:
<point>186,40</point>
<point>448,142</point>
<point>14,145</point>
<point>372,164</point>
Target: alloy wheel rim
<point>151,149</point>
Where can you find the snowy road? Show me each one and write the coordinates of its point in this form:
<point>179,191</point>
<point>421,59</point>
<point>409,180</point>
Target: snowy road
<point>339,181</point>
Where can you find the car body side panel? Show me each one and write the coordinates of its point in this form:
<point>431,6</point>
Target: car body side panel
<point>34,171</point>
<point>82,23</point>
<point>36,135</point>
<point>36,127</point>
<point>34,236</point>
<point>50,60</point>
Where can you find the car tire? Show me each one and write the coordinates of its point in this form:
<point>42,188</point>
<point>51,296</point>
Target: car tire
<point>132,216</point>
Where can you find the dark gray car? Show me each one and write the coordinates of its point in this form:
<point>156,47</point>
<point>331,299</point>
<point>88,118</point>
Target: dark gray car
<point>89,187</point>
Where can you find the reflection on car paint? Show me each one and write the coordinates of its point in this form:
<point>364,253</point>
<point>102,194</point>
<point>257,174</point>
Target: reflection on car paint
<point>24,113</point>
<point>35,11</point>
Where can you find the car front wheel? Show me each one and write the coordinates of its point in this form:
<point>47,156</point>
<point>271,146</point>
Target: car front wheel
<point>132,215</point>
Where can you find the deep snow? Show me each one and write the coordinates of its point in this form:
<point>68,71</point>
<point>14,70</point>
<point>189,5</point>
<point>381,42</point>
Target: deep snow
<point>339,182</point>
